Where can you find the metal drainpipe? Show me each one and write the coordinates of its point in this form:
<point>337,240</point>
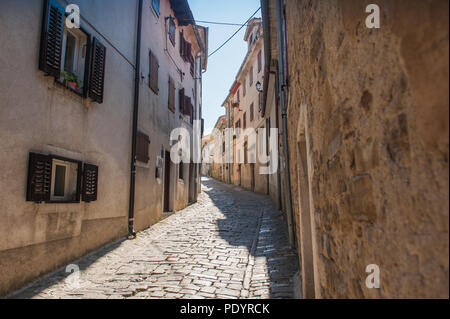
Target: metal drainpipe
<point>131,231</point>
<point>197,78</point>
<point>282,87</point>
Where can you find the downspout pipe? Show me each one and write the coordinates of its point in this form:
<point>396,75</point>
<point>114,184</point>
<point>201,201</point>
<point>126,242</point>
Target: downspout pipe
<point>197,112</point>
<point>282,89</point>
<point>131,231</point>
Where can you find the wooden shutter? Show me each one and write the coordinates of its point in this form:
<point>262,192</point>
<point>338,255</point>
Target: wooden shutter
<point>251,76</point>
<point>97,71</point>
<point>142,147</point>
<point>171,95</point>
<point>187,106</point>
<point>154,73</point>
<point>52,38</point>
<point>39,178</point>
<point>182,100</point>
<point>259,61</point>
<point>90,183</point>
<point>252,112</point>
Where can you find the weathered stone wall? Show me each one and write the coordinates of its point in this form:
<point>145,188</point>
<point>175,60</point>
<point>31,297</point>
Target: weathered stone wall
<point>376,132</point>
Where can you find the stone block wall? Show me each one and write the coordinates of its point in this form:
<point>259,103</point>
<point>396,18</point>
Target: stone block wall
<point>376,133</point>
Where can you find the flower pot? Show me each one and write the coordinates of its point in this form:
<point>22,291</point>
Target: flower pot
<point>72,85</point>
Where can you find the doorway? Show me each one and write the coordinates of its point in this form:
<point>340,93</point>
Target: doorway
<point>167,174</point>
<point>306,216</point>
<point>252,176</point>
<point>191,183</point>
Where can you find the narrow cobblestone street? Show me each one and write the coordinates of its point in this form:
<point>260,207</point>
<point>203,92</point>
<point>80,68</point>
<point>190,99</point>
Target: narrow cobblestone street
<point>231,244</point>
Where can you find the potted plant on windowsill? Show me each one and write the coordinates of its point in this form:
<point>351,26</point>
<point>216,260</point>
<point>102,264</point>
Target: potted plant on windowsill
<point>71,80</point>
<point>235,104</point>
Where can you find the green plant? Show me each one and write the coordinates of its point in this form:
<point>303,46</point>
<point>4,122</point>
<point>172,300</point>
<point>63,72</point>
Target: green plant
<point>70,77</point>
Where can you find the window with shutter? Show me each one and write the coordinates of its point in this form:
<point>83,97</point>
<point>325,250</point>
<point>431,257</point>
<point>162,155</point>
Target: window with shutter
<point>39,178</point>
<point>181,100</point>
<point>171,95</point>
<point>142,147</point>
<point>172,30</point>
<point>52,38</point>
<point>244,88</point>
<point>252,112</point>
<point>90,183</point>
<point>154,73</point>
<point>259,61</point>
<point>245,120</point>
<point>251,76</point>
<point>97,71</point>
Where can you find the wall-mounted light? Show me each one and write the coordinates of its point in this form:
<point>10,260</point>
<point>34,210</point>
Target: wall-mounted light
<point>259,87</point>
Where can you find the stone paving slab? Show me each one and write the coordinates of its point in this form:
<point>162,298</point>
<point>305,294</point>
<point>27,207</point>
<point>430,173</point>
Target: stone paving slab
<point>230,244</point>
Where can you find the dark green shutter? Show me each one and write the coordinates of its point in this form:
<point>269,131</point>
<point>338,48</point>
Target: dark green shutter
<point>97,71</point>
<point>90,183</point>
<point>39,178</point>
<point>52,38</point>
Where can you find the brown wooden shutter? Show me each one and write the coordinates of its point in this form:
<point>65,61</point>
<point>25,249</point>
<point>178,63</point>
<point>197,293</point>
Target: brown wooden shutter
<point>252,112</point>
<point>181,100</point>
<point>259,61</point>
<point>52,38</point>
<point>154,73</point>
<point>171,95</point>
<point>251,76</point>
<point>90,183</point>
<point>97,71</point>
<point>142,147</point>
<point>39,178</point>
<point>187,106</point>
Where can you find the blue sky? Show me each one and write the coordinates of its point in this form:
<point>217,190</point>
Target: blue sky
<point>224,65</point>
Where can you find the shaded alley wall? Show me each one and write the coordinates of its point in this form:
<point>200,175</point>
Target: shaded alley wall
<point>375,137</point>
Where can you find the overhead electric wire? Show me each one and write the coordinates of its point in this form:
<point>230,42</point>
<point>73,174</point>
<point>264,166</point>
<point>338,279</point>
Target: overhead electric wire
<point>219,23</point>
<point>234,34</point>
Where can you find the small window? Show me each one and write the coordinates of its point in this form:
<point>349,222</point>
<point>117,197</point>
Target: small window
<point>181,171</point>
<point>244,88</point>
<point>252,112</point>
<point>64,182</point>
<point>251,76</point>
<point>73,59</point>
<point>238,96</point>
<point>172,30</point>
<point>172,90</point>
<point>155,6</point>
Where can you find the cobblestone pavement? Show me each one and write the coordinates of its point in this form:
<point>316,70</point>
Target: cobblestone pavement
<point>231,244</point>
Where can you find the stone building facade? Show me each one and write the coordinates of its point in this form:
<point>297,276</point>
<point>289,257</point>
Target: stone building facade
<point>243,111</point>
<point>367,127</point>
<point>67,101</point>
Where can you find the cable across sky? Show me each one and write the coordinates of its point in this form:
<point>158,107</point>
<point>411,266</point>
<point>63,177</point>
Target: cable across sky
<point>229,39</point>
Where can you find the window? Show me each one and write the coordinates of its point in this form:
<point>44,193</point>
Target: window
<point>259,61</point>
<point>171,95</point>
<point>70,56</point>
<point>54,179</point>
<point>154,73</point>
<point>252,112</point>
<point>238,96</point>
<point>142,147</point>
<point>251,76</point>
<point>181,171</point>
<point>155,6</point>
<point>244,88</point>
<point>73,59</point>
<point>245,120</point>
<point>172,30</point>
